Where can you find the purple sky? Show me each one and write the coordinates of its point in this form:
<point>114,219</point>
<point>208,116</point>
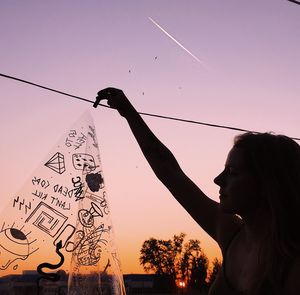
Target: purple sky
<point>250,80</point>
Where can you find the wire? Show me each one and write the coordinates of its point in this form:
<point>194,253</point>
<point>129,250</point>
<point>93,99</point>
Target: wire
<point>297,2</point>
<point>44,87</point>
<point>141,113</point>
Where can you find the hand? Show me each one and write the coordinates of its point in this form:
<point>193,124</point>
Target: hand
<point>116,99</point>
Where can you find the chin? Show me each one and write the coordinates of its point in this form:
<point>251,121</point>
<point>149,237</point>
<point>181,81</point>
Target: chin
<point>227,208</point>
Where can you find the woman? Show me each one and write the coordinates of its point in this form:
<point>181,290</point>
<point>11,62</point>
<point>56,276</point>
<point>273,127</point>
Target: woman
<point>255,223</point>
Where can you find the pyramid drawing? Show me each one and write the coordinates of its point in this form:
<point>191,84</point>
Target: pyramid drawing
<point>57,163</point>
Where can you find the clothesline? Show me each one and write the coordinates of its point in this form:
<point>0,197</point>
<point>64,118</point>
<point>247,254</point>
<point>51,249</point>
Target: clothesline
<point>141,113</point>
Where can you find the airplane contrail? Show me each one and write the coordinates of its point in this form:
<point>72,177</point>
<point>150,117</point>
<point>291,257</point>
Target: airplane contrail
<point>178,43</point>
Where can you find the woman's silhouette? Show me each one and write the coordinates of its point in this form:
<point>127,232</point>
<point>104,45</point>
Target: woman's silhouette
<point>256,221</point>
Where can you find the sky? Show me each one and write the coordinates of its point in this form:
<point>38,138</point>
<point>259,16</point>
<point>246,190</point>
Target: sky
<point>247,77</point>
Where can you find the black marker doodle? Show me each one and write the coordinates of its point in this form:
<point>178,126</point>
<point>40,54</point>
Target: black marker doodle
<point>14,246</point>
<point>47,219</point>
<point>84,162</point>
<point>63,190</point>
<point>72,133</point>
<point>89,252</point>
<point>59,203</point>
<point>92,134</point>
<point>94,181</point>
<point>65,235</point>
<point>39,181</point>
<point>88,248</point>
<point>79,141</point>
<point>103,203</point>
<point>41,195</point>
<point>75,140</point>
<point>57,163</point>
<point>107,266</point>
<point>86,217</point>
<point>99,199</point>
<point>79,235</point>
<point>116,259</point>
<point>22,203</point>
<point>78,188</point>
<point>51,276</point>
<point>68,141</point>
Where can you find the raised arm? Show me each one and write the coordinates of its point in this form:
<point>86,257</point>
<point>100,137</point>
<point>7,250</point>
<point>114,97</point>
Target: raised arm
<point>203,210</point>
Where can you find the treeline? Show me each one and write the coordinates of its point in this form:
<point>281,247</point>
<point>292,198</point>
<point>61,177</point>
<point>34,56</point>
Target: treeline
<point>178,263</point>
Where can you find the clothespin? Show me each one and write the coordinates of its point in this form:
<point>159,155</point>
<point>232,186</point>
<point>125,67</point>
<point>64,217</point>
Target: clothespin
<point>97,101</point>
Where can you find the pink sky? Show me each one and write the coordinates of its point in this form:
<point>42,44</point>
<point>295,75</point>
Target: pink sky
<point>250,48</point>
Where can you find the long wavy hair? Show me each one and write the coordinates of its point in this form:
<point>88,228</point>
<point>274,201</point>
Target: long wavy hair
<point>274,161</point>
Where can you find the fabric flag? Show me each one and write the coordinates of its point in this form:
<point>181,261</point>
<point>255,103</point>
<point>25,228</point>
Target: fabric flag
<point>60,220</point>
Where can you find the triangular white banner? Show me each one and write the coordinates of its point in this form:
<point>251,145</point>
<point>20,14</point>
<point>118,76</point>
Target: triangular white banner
<point>64,207</point>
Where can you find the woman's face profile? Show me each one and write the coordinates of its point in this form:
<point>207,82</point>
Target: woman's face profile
<point>239,193</point>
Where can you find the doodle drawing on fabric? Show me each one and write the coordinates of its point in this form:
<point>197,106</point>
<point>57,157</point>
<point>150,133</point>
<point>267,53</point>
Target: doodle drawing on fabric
<point>57,163</point>
<point>88,248</point>
<point>84,162</point>
<point>47,219</point>
<point>94,181</point>
<point>99,199</point>
<point>14,246</point>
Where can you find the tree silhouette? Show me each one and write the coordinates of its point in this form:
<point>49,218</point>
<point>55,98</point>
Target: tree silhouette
<point>216,268</point>
<point>198,272</point>
<point>176,260</point>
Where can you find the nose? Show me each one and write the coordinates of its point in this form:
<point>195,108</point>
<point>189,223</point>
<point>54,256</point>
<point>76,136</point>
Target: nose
<point>220,179</point>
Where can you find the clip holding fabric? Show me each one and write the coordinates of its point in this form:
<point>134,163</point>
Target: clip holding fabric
<point>97,101</point>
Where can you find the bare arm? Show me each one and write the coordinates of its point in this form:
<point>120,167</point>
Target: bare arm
<point>166,168</point>
<point>203,210</point>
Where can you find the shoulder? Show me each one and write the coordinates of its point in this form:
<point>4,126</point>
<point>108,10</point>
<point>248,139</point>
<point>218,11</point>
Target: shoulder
<point>292,286</point>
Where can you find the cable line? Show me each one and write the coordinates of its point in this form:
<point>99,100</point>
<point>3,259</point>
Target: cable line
<point>44,87</point>
<point>294,1</point>
<point>141,113</point>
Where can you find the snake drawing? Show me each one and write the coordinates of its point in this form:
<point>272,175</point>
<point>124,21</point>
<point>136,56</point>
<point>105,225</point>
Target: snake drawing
<point>51,276</point>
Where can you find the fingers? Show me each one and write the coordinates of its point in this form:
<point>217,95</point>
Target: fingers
<point>108,94</point>
<point>104,94</point>
<point>110,91</point>
<point>116,99</point>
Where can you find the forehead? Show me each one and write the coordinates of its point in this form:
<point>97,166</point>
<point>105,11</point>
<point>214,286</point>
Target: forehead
<point>236,157</point>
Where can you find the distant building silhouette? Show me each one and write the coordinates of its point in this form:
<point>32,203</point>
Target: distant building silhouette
<point>139,283</point>
<point>26,284</point>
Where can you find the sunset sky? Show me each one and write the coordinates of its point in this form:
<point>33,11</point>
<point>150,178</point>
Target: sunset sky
<point>247,77</point>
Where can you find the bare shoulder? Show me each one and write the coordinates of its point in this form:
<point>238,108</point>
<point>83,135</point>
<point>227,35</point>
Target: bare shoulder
<point>292,286</point>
